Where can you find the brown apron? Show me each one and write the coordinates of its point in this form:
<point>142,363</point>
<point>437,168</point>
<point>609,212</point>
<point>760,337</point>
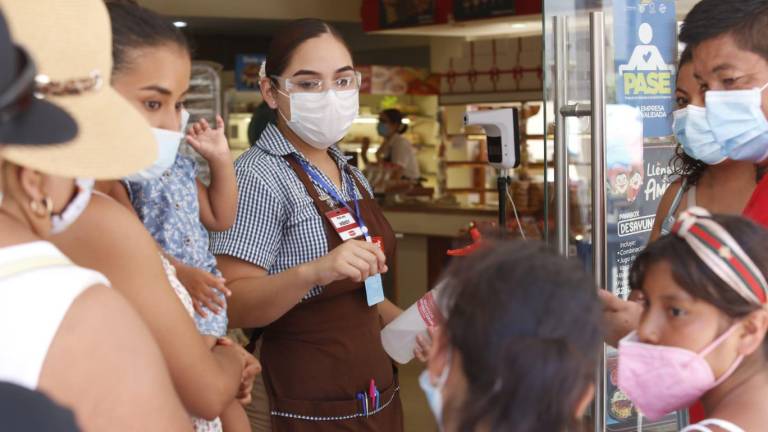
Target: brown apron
<point>325,350</point>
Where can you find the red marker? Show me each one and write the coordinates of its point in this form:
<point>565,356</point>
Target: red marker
<point>372,391</point>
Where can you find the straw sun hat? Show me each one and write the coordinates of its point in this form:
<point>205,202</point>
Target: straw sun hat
<point>71,43</point>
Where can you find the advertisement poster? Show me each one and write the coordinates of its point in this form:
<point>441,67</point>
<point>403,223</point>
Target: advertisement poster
<point>645,60</point>
<point>473,9</point>
<point>247,68</point>
<point>398,80</point>
<point>404,13</point>
<point>635,192</point>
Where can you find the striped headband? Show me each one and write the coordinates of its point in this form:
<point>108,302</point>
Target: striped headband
<point>722,254</point>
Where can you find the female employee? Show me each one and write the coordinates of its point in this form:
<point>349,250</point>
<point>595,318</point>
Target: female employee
<point>305,254</point>
<point>396,148</point>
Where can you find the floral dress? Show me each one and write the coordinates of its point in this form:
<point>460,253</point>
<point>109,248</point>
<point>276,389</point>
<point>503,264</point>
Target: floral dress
<point>169,208</point>
<point>201,425</point>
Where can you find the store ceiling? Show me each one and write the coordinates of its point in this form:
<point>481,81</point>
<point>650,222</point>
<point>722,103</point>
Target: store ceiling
<point>515,26</point>
<point>239,27</point>
<point>329,10</point>
<point>263,17</point>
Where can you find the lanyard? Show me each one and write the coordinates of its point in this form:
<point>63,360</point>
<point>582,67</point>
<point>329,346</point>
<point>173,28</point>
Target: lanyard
<point>317,178</point>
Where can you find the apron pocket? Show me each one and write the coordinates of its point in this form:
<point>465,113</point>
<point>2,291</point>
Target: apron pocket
<point>330,410</point>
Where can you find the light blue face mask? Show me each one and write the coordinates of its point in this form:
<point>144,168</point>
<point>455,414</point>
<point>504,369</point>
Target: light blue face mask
<point>434,392</point>
<point>692,131</point>
<point>168,143</point>
<point>382,129</point>
<point>737,120</point>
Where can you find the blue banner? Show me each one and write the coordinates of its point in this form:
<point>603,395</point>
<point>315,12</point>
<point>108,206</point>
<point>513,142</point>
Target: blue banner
<point>645,60</point>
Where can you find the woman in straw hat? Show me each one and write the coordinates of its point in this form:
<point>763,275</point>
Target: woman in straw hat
<point>48,305</point>
<point>109,238</point>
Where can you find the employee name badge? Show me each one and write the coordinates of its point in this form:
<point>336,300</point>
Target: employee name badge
<point>344,224</point>
<point>374,289</point>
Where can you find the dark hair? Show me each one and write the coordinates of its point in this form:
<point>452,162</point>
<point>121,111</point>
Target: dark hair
<point>395,117</point>
<point>745,20</point>
<point>290,37</point>
<point>694,276</point>
<point>682,164</point>
<point>135,27</point>
<point>526,323</point>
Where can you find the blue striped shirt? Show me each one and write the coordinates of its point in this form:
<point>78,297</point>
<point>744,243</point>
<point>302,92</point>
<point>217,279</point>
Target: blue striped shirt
<point>278,226</point>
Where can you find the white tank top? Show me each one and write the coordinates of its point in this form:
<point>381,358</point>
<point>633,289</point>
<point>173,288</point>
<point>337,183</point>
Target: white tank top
<point>722,424</point>
<point>38,284</point>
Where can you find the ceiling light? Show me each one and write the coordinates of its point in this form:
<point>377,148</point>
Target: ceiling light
<point>518,25</point>
<point>180,24</point>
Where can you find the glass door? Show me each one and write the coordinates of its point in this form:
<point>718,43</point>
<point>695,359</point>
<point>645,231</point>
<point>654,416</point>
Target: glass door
<point>610,79</point>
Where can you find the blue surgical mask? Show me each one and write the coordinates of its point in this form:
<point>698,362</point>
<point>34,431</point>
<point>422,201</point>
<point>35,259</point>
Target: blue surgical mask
<point>693,132</point>
<point>382,129</point>
<point>434,392</point>
<point>168,143</point>
<point>737,121</point>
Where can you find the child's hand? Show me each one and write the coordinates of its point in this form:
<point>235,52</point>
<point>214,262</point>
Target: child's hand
<point>424,345</point>
<point>210,143</point>
<point>202,287</point>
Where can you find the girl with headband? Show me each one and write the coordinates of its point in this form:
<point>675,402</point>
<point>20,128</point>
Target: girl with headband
<point>702,330</point>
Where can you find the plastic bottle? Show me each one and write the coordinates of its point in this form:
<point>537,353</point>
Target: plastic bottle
<point>399,337</point>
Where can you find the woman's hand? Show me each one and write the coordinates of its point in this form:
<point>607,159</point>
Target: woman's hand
<point>202,287</point>
<point>251,368</point>
<point>355,260</point>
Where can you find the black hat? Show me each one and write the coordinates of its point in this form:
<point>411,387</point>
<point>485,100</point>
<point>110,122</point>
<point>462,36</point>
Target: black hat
<point>25,119</point>
<point>23,409</point>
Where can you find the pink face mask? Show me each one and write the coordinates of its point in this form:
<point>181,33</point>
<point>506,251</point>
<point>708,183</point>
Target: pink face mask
<point>662,379</point>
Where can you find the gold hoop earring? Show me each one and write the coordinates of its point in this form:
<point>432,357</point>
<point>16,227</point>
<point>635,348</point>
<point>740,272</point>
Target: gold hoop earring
<point>42,210</point>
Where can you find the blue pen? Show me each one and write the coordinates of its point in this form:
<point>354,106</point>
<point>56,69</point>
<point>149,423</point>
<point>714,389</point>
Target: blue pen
<point>360,398</point>
<point>378,400</point>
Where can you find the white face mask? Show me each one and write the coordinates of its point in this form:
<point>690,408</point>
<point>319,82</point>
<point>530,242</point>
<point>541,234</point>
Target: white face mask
<point>168,143</point>
<point>322,119</point>
<point>60,222</point>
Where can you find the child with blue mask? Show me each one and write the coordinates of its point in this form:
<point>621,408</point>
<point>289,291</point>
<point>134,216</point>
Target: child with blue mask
<point>511,355</point>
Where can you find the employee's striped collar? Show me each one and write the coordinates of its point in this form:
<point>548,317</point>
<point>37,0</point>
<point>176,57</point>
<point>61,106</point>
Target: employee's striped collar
<point>273,141</point>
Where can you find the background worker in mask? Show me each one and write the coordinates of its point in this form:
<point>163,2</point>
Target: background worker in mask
<point>729,41</point>
<point>396,148</point>
<point>306,252</point>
